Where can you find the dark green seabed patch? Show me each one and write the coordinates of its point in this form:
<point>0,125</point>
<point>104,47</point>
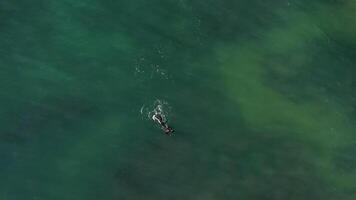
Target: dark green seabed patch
<point>263,99</point>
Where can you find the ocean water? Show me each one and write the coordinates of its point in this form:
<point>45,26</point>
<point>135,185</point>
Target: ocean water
<point>262,96</point>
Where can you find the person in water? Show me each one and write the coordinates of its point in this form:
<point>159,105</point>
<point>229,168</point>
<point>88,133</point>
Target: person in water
<point>159,119</point>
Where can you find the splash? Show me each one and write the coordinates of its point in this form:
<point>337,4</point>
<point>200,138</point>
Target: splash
<point>157,107</point>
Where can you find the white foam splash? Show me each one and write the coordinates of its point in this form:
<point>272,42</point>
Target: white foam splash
<point>158,107</point>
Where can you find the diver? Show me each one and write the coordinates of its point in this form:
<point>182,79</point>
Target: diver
<point>157,117</point>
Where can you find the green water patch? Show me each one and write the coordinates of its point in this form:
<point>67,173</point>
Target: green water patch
<point>296,108</point>
<point>70,167</point>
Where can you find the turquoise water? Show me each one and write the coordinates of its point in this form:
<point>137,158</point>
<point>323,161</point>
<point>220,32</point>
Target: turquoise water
<point>261,94</point>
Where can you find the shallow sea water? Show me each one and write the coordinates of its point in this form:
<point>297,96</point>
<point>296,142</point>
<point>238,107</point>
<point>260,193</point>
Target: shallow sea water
<point>261,95</point>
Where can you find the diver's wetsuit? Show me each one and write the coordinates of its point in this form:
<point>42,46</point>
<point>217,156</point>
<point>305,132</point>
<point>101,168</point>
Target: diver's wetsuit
<point>158,118</point>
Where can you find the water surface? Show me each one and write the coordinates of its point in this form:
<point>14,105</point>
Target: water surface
<point>261,94</point>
